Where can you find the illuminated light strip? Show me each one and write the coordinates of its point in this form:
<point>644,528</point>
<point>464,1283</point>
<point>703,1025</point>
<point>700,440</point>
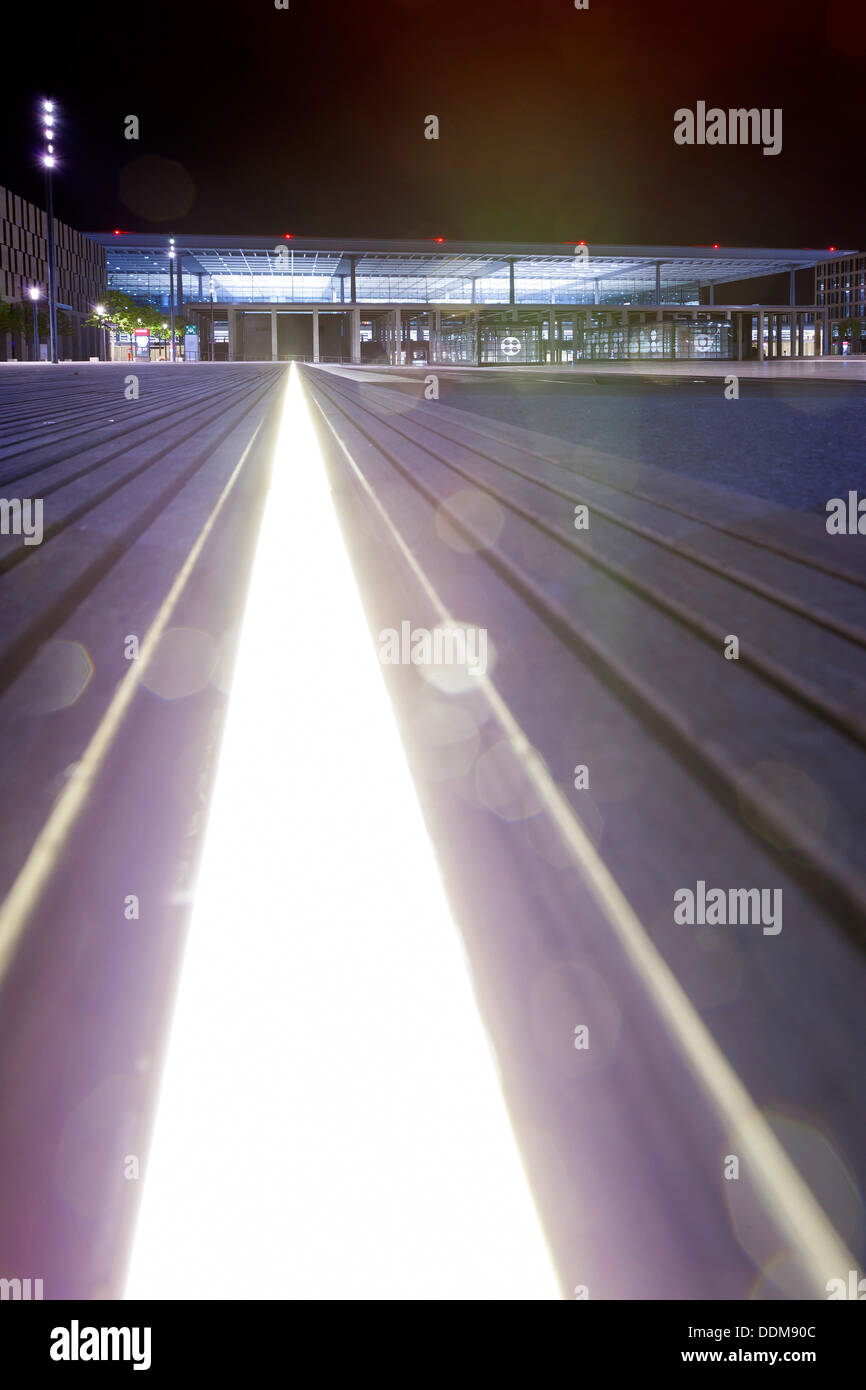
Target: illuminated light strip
<point>33,877</point>
<point>331,1123</point>
<point>797,1214</point>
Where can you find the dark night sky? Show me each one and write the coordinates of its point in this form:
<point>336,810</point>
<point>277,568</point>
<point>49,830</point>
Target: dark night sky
<point>556,124</point>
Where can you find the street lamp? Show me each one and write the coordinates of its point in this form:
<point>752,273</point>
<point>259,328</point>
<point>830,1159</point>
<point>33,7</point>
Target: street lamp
<point>34,295</point>
<point>171,289</point>
<point>101,311</point>
<point>49,160</point>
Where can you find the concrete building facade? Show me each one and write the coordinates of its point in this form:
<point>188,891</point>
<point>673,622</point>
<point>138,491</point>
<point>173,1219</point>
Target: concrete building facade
<point>80,270</point>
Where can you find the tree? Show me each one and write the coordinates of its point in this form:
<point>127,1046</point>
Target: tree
<point>127,314</point>
<point>17,319</point>
<point>12,317</point>
<point>851,329</point>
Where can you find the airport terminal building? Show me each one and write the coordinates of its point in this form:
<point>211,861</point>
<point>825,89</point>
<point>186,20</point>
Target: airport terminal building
<point>285,297</point>
<point>319,299</point>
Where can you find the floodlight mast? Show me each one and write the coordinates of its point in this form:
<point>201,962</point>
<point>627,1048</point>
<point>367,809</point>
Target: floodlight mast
<point>49,161</point>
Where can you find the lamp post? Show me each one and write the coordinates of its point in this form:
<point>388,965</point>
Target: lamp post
<point>49,160</point>
<point>34,295</point>
<point>100,312</point>
<point>171,289</point>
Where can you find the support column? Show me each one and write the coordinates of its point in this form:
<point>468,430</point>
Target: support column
<point>760,335</point>
<point>433,323</point>
<point>511,283</point>
<point>315,335</point>
<point>275,356</point>
<point>658,282</point>
<point>233,334</point>
<point>551,335</point>
<point>398,338</point>
<point>355,321</point>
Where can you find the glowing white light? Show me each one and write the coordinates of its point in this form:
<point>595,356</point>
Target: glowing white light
<point>331,1124</point>
<point>33,292</point>
<point>48,105</point>
<point>48,159</point>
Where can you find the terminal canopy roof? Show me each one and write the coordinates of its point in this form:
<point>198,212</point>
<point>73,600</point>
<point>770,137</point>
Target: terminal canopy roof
<point>261,268</point>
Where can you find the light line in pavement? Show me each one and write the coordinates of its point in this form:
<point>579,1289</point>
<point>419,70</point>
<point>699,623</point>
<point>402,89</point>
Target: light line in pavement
<point>331,1123</point>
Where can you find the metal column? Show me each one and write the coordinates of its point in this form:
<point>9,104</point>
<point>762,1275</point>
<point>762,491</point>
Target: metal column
<point>315,335</point>
<point>433,322</point>
<point>398,338</point>
<point>275,355</point>
<point>355,318</point>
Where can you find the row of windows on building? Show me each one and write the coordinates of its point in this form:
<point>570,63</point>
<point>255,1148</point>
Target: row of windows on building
<point>80,262</point>
<point>841,287</point>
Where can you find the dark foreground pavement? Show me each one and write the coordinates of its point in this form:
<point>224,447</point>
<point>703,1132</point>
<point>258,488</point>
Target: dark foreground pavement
<point>609,650</point>
<point>713,1049</point>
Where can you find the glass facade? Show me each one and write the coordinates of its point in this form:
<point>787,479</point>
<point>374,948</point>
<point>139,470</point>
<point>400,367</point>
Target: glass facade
<point>279,275</point>
<point>264,286</point>
<point>294,298</point>
<point>841,287</point>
